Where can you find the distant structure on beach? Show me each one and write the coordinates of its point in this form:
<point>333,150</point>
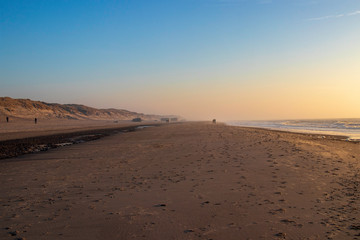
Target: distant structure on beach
<point>214,120</point>
<point>137,120</point>
<point>174,119</point>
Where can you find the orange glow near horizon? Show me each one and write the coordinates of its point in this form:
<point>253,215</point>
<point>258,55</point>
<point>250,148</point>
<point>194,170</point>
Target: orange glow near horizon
<point>312,94</point>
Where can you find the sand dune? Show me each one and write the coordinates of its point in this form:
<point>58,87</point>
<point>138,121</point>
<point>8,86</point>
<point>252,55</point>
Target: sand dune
<point>29,109</point>
<point>185,181</point>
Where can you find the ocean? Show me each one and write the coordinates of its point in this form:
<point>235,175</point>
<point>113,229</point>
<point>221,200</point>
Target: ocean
<point>341,127</point>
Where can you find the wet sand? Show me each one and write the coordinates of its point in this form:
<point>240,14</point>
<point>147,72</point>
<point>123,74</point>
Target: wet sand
<point>24,128</point>
<point>185,181</point>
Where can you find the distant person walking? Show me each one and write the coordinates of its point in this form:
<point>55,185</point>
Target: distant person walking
<point>35,120</point>
<point>7,119</point>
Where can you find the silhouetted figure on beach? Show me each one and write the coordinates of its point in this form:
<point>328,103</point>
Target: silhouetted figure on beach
<point>214,121</point>
<point>35,120</point>
<point>7,119</point>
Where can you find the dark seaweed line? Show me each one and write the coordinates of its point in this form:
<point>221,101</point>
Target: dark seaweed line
<point>17,147</point>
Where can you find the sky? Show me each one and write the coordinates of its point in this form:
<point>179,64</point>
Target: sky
<point>201,59</point>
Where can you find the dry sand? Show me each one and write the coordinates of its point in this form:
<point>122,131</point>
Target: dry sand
<point>185,181</point>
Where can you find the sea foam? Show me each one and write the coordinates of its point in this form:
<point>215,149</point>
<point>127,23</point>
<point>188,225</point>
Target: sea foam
<point>340,127</point>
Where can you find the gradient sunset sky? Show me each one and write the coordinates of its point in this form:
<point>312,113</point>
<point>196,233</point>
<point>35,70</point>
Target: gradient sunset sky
<point>201,59</point>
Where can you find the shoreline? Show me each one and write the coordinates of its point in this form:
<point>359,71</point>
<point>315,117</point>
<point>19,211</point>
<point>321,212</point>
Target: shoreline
<point>319,135</point>
<point>15,147</point>
<point>329,127</point>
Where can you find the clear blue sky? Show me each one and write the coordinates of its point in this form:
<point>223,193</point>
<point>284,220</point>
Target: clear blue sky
<point>177,56</point>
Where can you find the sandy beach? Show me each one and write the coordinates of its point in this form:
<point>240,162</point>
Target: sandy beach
<point>184,181</point>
